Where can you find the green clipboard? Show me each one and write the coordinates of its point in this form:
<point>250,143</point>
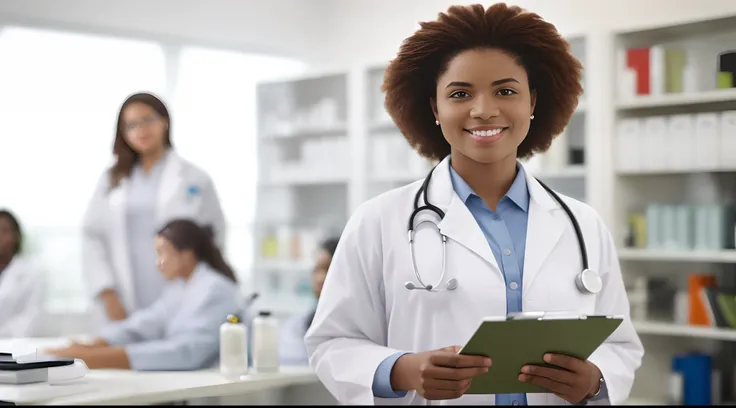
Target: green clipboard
<point>521,339</point>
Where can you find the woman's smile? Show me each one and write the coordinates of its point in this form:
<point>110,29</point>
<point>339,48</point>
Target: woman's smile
<point>487,134</point>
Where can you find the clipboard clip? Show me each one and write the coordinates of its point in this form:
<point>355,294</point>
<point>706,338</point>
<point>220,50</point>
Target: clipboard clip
<point>561,315</point>
<point>556,315</point>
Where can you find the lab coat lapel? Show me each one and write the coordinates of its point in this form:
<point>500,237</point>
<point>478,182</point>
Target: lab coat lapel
<point>171,183</point>
<point>458,224</point>
<point>547,222</point>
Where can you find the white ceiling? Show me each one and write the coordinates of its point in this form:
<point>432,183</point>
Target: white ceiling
<point>288,27</point>
<point>324,33</point>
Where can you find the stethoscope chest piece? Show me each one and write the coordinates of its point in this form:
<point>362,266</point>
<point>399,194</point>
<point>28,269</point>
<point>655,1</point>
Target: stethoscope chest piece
<point>589,282</point>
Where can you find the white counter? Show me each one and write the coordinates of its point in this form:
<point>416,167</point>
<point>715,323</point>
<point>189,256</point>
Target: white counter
<point>130,387</point>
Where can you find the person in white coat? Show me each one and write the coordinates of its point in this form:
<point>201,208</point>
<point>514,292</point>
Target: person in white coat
<point>21,284</point>
<point>148,185</point>
<point>477,90</point>
<point>181,330</point>
<point>291,333</point>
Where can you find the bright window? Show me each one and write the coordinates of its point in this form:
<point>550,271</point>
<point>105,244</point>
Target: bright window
<point>59,97</point>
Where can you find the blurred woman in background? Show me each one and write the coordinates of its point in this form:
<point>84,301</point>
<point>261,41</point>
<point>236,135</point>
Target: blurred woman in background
<point>292,350</point>
<point>180,331</point>
<point>21,285</point>
<point>148,185</point>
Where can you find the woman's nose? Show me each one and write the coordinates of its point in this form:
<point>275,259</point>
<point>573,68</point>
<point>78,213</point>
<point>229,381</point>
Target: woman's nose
<point>484,107</point>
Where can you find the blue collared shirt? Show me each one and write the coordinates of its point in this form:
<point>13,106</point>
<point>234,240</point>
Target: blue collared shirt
<point>505,230</point>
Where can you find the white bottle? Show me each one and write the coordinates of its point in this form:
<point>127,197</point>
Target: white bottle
<point>233,348</point>
<point>265,343</point>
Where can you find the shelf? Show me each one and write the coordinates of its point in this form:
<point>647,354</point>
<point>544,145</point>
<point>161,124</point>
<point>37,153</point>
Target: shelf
<point>681,330</point>
<point>382,125</point>
<point>308,132</point>
<point>635,254</point>
<point>573,171</point>
<point>283,264</point>
<point>681,99</point>
<point>398,177</point>
<point>668,172</point>
<point>283,304</point>
<point>307,179</point>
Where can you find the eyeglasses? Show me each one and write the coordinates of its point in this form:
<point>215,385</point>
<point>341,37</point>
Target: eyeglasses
<point>146,122</point>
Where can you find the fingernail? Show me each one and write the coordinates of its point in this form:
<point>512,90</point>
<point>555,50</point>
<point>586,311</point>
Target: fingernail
<point>548,358</point>
<point>525,369</point>
<point>487,362</point>
<point>521,377</point>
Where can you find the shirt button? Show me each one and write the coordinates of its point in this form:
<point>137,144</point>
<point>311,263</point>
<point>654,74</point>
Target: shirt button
<point>515,403</point>
<point>495,217</point>
<point>507,252</point>
<point>513,285</point>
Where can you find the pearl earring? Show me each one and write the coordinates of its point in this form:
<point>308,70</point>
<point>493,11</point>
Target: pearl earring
<point>437,122</point>
<point>531,117</point>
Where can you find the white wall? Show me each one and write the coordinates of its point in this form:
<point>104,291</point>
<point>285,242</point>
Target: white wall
<point>290,27</point>
<point>372,31</point>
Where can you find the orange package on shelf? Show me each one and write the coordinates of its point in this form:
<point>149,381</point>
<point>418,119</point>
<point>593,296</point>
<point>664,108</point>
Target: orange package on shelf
<point>699,309</point>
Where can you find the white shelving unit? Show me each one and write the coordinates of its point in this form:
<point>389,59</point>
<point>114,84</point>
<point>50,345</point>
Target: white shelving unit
<point>304,179</point>
<point>654,165</point>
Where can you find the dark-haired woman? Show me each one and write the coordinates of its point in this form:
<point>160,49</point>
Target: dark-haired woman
<point>477,89</point>
<point>180,331</point>
<point>291,335</point>
<point>21,284</point>
<point>148,185</point>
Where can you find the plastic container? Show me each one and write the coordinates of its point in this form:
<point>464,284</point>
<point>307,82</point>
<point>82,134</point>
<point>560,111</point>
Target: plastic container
<point>233,347</point>
<point>265,343</point>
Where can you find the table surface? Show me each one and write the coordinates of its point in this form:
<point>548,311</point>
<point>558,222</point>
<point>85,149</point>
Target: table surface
<point>150,387</point>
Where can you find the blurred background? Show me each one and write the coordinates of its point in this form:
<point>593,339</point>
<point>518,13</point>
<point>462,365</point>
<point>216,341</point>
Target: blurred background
<point>279,102</point>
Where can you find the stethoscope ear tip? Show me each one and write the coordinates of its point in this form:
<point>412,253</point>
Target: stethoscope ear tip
<point>409,285</point>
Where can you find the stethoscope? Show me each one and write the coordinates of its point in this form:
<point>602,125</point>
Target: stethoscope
<point>587,281</point>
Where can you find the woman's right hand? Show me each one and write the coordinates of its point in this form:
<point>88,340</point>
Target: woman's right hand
<point>438,374</point>
<point>113,306</point>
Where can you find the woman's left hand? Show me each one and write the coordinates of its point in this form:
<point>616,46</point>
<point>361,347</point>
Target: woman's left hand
<point>574,382</point>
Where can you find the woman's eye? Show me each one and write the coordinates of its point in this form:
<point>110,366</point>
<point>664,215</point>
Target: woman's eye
<point>507,92</point>
<point>459,94</point>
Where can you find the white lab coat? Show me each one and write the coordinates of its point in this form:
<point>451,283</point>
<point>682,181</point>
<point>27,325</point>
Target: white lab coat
<point>106,262</point>
<point>22,290</point>
<point>181,330</point>
<point>365,313</point>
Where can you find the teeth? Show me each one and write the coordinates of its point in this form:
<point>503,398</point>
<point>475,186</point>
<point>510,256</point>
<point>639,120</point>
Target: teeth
<point>486,133</point>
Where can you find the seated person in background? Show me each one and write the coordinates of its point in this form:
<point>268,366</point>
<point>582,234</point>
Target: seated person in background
<point>21,285</point>
<point>292,350</point>
<point>181,330</point>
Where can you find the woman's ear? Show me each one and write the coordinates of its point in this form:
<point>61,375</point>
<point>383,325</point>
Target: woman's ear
<point>433,103</point>
<point>533,99</point>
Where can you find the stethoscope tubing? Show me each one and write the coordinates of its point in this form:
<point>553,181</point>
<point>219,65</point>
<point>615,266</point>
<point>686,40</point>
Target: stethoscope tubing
<point>423,192</point>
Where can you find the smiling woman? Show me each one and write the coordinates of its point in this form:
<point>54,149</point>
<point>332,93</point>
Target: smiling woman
<point>476,89</point>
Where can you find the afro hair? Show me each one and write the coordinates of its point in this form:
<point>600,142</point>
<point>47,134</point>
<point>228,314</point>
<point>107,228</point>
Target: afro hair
<point>411,78</point>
